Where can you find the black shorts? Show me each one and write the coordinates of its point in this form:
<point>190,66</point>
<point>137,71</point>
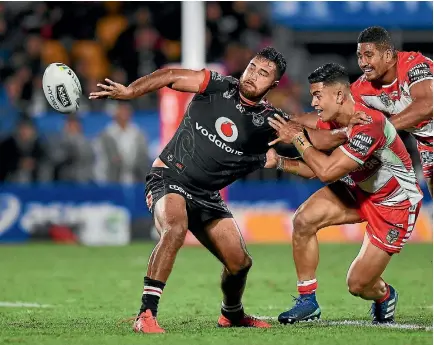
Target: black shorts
<point>202,206</point>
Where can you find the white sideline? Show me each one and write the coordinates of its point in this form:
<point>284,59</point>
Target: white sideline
<point>362,323</point>
<point>23,305</point>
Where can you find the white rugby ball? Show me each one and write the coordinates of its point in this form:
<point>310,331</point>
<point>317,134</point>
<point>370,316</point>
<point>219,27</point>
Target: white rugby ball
<point>62,88</point>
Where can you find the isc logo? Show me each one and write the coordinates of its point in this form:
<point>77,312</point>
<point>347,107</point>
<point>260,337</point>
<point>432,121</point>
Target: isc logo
<point>181,190</point>
<point>62,95</point>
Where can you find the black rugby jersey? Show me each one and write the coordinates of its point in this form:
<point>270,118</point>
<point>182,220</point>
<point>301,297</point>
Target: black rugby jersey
<point>220,139</point>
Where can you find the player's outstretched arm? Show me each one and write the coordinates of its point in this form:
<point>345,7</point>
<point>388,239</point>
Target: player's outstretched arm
<point>178,79</point>
<point>421,109</point>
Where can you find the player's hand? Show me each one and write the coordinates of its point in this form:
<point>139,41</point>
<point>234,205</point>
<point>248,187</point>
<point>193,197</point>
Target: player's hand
<point>272,159</point>
<point>359,118</point>
<point>286,130</point>
<point>112,90</point>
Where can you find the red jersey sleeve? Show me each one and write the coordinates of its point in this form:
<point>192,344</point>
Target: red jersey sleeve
<point>363,140</point>
<point>415,68</point>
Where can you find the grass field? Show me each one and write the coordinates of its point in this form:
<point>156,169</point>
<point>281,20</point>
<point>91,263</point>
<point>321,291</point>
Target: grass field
<point>88,290</point>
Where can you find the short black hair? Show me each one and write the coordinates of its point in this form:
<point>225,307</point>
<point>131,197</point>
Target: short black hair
<point>377,35</point>
<point>328,74</point>
<point>273,55</point>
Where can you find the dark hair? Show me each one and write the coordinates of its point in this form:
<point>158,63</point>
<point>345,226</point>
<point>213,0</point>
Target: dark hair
<point>377,35</point>
<point>273,55</point>
<point>329,73</point>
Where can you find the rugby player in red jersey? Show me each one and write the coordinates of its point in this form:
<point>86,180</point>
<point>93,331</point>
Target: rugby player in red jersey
<point>399,84</point>
<point>380,188</point>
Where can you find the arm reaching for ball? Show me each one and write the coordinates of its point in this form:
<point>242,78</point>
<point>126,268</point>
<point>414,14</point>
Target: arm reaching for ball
<point>184,80</point>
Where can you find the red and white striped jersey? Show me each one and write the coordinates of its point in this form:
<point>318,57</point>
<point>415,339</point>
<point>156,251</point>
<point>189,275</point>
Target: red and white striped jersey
<point>386,173</point>
<point>412,68</point>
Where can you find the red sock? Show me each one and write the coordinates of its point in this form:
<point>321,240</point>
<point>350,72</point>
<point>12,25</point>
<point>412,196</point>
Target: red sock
<point>307,286</point>
<point>385,297</point>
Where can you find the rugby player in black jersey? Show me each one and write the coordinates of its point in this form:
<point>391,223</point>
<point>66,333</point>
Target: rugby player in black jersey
<point>223,136</point>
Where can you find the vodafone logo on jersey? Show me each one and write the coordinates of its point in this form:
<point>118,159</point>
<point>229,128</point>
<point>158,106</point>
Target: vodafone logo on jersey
<point>226,129</point>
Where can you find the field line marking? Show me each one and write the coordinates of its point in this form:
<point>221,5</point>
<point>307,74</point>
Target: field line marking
<point>362,323</point>
<point>18,304</point>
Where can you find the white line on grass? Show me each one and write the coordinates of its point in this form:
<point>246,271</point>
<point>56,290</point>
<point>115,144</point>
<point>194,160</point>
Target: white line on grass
<point>356,323</point>
<point>23,305</point>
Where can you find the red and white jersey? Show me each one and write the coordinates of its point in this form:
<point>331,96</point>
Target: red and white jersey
<point>386,173</point>
<point>412,68</point>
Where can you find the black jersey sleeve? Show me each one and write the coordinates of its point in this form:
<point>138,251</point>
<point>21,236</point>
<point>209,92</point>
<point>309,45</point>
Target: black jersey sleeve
<point>215,82</point>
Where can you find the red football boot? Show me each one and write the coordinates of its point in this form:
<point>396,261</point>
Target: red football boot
<point>147,323</point>
<point>246,321</point>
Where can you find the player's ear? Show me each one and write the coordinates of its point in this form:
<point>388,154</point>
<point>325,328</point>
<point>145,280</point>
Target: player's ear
<point>389,55</point>
<point>340,97</point>
<point>275,84</point>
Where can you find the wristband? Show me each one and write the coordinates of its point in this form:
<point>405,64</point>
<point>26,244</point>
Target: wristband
<point>301,143</point>
<point>280,164</point>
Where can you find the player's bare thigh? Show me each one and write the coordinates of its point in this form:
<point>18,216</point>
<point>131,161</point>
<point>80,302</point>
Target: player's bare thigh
<point>331,205</point>
<point>170,214</point>
<point>223,239</point>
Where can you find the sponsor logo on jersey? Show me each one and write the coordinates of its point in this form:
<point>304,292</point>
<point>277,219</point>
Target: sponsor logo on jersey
<point>361,143</point>
<point>372,163</point>
<point>419,72</point>
<point>226,129</point>
<point>181,190</point>
<point>62,95</point>
<point>213,138</point>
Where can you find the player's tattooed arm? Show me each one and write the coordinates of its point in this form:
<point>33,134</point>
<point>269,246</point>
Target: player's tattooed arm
<point>327,168</point>
<point>325,140</point>
<point>421,108</point>
<point>321,139</point>
<point>185,80</point>
<point>290,165</point>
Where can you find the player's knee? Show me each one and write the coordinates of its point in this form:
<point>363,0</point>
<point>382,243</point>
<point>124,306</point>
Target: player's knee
<point>356,286</point>
<point>241,266</point>
<point>174,231</point>
<point>302,224</point>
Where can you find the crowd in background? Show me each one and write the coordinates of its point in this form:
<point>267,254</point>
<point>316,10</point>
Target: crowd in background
<point>123,41</point>
<point>120,40</point>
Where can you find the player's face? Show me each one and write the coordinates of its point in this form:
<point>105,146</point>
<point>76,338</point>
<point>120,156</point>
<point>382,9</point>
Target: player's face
<point>258,78</point>
<point>372,61</point>
<point>325,101</point>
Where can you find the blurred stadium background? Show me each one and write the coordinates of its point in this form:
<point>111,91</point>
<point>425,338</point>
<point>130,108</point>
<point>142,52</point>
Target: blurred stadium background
<point>79,178</point>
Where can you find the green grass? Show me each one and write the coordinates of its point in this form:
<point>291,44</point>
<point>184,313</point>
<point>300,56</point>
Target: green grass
<point>91,289</point>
